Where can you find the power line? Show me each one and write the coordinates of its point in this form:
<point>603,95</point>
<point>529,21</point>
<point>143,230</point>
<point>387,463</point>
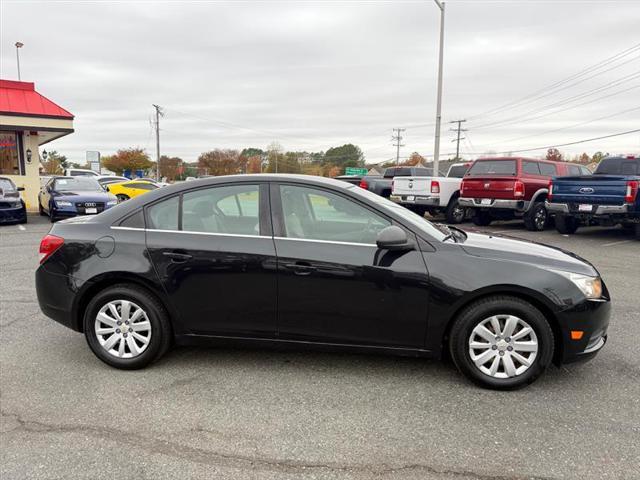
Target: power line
<point>398,139</point>
<point>555,85</point>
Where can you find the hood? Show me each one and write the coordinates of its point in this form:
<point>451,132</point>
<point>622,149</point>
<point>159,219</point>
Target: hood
<point>502,247</point>
<point>84,196</point>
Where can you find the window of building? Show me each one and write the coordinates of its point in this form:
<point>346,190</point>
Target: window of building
<point>11,162</point>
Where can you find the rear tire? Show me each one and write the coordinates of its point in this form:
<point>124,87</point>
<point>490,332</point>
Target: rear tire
<point>566,225</point>
<point>511,354</point>
<point>159,331</point>
<point>455,213</point>
<point>535,219</point>
<point>482,219</point>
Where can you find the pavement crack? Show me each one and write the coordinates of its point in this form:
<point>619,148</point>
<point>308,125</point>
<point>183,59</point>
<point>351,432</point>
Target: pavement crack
<point>155,445</point>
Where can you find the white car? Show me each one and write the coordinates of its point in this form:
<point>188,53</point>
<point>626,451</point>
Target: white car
<point>432,194</point>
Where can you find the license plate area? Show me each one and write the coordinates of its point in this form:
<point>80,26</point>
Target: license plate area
<point>485,201</point>
<point>585,207</point>
<point>90,210</point>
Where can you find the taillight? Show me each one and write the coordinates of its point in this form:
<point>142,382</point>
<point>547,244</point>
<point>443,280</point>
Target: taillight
<point>518,189</point>
<point>461,188</point>
<point>435,186</point>
<point>632,191</point>
<point>48,245</point>
<point>363,184</point>
<point>550,194</point>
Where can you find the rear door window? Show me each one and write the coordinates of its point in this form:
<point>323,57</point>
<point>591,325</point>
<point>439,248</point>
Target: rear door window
<point>493,167</point>
<point>164,215</point>
<point>547,169</point>
<point>530,168</point>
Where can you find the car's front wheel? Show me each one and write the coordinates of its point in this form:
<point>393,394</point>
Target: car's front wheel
<point>501,342</point>
<point>535,219</point>
<point>122,197</point>
<point>455,212</point>
<point>127,327</point>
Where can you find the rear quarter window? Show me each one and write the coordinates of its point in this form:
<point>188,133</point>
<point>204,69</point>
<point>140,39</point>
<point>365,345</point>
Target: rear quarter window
<point>548,169</point>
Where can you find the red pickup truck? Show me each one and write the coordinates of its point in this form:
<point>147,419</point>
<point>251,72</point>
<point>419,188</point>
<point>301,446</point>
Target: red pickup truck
<point>512,187</point>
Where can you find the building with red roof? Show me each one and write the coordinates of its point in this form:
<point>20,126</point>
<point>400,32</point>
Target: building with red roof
<point>28,120</point>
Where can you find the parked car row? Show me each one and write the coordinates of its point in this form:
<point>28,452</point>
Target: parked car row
<point>537,191</point>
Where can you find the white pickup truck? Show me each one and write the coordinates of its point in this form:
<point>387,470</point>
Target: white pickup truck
<point>432,194</point>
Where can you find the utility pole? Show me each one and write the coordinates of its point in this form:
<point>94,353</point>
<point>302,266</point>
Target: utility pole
<point>159,113</point>
<point>397,137</point>
<point>19,45</point>
<point>436,146</point>
<point>457,140</point>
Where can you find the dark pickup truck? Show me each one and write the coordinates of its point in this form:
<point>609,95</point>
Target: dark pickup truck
<point>383,184</point>
<point>608,197</point>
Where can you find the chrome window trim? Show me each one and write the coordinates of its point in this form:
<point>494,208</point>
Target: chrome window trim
<point>332,242</point>
<point>213,234</point>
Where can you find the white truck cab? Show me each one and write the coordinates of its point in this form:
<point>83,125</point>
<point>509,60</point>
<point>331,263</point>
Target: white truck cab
<point>432,194</point>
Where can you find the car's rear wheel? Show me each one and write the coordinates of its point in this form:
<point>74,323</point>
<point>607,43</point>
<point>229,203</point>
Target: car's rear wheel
<point>566,225</point>
<point>127,327</point>
<point>501,342</point>
<point>455,213</point>
<point>122,197</point>
<point>535,219</point>
<point>482,219</point>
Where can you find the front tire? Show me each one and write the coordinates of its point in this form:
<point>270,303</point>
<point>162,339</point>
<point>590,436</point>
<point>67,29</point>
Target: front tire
<point>501,343</point>
<point>122,197</point>
<point>127,327</point>
<point>566,225</point>
<point>535,219</point>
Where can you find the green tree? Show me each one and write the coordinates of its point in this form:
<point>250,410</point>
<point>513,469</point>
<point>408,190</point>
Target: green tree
<point>347,155</point>
<point>598,156</point>
<point>251,152</point>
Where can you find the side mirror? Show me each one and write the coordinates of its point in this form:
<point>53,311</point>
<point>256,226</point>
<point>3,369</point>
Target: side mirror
<point>21,189</point>
<point>393,238</point>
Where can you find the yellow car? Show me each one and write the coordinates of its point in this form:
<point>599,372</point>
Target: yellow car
<point>126,190</point>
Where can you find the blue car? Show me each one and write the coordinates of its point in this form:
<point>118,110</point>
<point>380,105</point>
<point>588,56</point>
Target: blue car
<point>64,197</point>
<point>12,208</point>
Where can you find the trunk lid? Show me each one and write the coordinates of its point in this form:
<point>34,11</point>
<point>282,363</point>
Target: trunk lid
<point>411,185</point>
<point>488,187</point>
<point>590,189</point>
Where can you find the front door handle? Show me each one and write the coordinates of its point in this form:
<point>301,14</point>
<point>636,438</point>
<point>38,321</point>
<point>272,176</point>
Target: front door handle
<point>177,257</point>
<point>300,268</point>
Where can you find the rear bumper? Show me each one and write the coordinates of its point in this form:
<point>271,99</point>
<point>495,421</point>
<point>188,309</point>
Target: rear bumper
<point>600,210</point>
<point>427,201</point>
<point>494,203</point>
<point>591,318</point>
<point>56,295</point>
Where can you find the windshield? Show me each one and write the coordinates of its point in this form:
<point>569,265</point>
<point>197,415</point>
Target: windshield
<point>618,166</point>
<point>413,218</point>
<point>493,167</point>
<point>77,184</point>
<point>6,185</point>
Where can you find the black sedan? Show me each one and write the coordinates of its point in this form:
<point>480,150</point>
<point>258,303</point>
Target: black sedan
<point>12,207</point>
<point>308,261</point>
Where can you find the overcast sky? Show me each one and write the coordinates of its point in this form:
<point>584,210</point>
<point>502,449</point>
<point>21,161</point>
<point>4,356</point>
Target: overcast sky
<point>316,74</point>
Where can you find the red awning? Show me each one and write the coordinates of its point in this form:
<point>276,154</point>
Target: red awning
<point>21,98</point>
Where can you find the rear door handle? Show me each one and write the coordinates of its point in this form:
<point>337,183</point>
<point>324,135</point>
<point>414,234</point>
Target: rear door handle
<point>300,268</point>
<point>177,257</point>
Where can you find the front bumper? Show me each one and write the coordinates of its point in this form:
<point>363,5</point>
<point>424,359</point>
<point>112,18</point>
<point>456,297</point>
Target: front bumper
<point>427,201</point>
<point>596,210</point>
<point>14,214</point>
<point>494,203</point>
<point>590,317</point>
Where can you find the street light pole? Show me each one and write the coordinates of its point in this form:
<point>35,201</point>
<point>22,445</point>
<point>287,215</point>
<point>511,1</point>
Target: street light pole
<point>436,146</point>
<point>19,45</point>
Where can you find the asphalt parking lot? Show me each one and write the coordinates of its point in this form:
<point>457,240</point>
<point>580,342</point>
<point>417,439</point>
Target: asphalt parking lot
<point>221,413</point>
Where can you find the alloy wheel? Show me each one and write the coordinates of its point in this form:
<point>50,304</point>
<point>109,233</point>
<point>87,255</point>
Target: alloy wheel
<point>540,218</point>
<point>123,329</point>
<point>503,346</point>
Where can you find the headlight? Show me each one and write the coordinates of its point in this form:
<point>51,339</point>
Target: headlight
<point>111,203</point>
<point>590,286</point>
<point>63,203</point>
